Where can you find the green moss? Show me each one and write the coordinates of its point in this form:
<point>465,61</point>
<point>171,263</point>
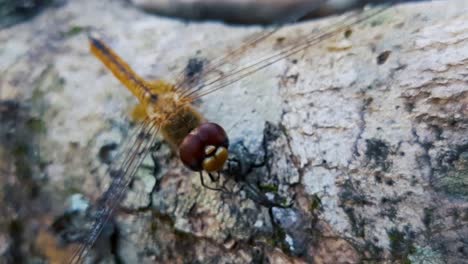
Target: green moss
<point>455,183</point>
<point>23,169</point>
<point>183,236</point>
<point>279,239</point>
<point>37,96</point>
<point>452,172</point>
<point>428,217</point>
<point>315,203</point>
<point>357,223</point>
<point>427,255</point>
<point>401,245</point>
<point>49,81</point>
<point>16,227</point>
<point>72,190</point>
<point>269,188</point>
<point>377,152</point>
<point>36,125</point>
<point>153,227</point>
<point>22,160</point>
<point>20,150</point>
<point>74,30</point>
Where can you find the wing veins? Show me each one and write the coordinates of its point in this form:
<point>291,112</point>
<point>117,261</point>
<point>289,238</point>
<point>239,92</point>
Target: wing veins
<point>115,191</point>
<point>231,56</point>
<point>225,59</point>
<point>210,86</point>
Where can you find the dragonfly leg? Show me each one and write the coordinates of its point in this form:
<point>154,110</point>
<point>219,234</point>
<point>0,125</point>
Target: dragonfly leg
<point>157,146</point>
<point>206,186</point>
<point>212,178</point>
<point>223,185</point>
<point>241,161</point>
<point>255,194</point>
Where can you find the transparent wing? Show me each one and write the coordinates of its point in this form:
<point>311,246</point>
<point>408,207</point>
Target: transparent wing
<point>229,58</point>
<point>136,149</point>
<point>214,82</point>
<point>182,83</point>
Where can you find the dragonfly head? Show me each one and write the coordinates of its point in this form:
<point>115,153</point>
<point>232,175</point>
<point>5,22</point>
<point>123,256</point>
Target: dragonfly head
<point>205,148</point>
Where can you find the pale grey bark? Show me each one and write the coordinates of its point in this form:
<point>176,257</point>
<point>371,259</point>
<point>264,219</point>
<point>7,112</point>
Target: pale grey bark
<point>366,133</point>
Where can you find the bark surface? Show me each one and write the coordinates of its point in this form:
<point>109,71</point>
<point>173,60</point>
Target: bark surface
<point>366,132</point>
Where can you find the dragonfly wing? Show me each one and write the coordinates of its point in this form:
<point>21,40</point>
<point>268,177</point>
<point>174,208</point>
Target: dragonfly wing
<point>254,40</point>
<point>135,150</point>
<point>212,67</point>
<point>214,82</point>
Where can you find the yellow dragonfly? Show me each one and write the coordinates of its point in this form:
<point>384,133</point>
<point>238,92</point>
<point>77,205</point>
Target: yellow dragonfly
<point>167,108</point>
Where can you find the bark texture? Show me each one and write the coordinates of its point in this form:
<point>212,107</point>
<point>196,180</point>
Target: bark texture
<point>365,132</point>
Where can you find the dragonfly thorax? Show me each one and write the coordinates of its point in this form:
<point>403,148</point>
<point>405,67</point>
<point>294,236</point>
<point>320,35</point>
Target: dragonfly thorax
<point>161,107</point>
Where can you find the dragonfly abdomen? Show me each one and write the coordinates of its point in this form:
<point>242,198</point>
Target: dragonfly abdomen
<point>119,68</point>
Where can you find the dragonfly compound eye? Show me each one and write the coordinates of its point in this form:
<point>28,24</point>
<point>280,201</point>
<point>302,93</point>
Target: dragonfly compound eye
<point>205,148</point>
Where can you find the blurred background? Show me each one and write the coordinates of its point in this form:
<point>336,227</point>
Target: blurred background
<point>231,11</point>
<point>248,11</point>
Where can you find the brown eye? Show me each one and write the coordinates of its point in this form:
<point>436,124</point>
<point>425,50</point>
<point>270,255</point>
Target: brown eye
<point>205,148</point>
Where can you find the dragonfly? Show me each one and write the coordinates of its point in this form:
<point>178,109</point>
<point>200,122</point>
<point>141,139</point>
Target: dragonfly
<point>168,109</point>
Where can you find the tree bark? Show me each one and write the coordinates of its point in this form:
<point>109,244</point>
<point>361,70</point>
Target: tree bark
<point>365,132</point>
